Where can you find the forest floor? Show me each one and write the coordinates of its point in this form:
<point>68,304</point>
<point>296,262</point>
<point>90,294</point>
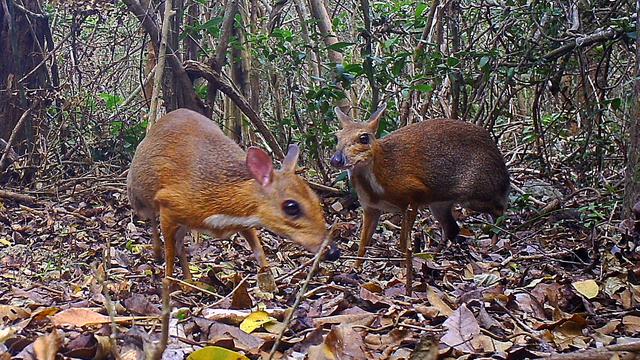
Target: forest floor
<point>76,268</point>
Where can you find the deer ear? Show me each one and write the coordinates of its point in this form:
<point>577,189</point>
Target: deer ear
<point>374,120</point>
<point>291,160</point>
<point>260,166</point>
<point>344,118</point>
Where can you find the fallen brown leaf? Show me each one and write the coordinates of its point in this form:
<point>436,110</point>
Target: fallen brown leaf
<point>462,328</point>
<point>342,342</point>
<point>436,300</point>
<point>46,347</point>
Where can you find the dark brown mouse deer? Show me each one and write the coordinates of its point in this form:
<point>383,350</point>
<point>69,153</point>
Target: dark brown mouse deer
<point>434,163</point>
<point>191,176</point>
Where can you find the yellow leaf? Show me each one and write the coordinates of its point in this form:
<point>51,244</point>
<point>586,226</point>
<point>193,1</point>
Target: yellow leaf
<point>7,333</point>
<point>5,242</point>
<point>587,288</point>
<point>217,353</point>
<point>254,321</point>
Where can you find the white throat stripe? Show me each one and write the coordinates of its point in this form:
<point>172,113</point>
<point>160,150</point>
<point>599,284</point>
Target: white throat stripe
<point>219,221</point>
<point>375,185</point>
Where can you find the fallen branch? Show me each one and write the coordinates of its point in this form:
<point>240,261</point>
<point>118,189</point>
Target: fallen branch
<point>620,351</point>
<point>326,189</point>
<point>21,198</point>
<point>197,69</point>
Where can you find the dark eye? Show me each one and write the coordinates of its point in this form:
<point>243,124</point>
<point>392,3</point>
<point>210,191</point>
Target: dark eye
<point>364,139</point>
<point>291,208</point>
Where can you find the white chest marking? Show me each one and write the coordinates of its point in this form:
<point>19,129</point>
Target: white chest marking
<point>373,182</point>
<point>375,186</point>
<point>219,221</point>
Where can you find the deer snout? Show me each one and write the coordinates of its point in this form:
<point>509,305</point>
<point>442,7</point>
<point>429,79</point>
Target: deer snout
<point>338,160</point>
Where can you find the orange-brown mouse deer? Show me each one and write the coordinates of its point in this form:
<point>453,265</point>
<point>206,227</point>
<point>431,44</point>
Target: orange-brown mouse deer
<point>434,163</point>
<point>187,172</point>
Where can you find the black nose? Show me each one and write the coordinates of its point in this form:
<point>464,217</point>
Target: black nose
<point>337,160</point>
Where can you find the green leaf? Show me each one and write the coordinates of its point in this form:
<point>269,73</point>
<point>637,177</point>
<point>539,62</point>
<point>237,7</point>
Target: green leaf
<point>484,62</point>
<point>355,69</point>
<point>424,256</point>
<point>420,9</point>
<point>616,104</point>
<point>339,46</point>
<point>283,34</point>
<point>217,353</point>
<point>112,100</point>
<point>212,26</point>
<point>422,87</point>
<point>453,61</point>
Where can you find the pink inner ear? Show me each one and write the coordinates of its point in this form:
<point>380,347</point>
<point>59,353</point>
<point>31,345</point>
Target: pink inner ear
<point>260,165</point>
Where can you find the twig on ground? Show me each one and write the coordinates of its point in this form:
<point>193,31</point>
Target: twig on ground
<point>195,287</point>
<point>303,290</point>
<point>5,194</point>
<point>619,351</point>
<point>166,317</point>
<point>327,189</point>
<point>295,271</point>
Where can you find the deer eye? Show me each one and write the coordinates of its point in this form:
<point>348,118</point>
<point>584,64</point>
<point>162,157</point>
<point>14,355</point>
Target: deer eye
<point>364,139</point>
<point>291,208</point>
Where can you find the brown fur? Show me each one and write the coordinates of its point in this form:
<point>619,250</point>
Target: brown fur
<point>186,170</point>
<point>434,163</point>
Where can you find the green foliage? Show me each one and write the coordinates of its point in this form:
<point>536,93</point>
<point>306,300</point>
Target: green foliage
<point>132,134</point>
<point>593,214</point>
<point>112,101</point>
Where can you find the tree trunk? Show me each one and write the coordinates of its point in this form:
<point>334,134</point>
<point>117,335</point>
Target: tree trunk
<point>23,40</point>
<point>632,174</point>
<point>319,12</point>
<point>188,98</point>
<point>216,63</point>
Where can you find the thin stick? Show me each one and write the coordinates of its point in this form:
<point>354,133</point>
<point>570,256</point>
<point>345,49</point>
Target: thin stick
<point>5,194</point>
<point>14,136</point>
<point>194,287</point>
<point>166,316</point>
<point>303,290</point>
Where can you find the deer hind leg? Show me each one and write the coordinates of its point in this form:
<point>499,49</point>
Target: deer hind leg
<point>183,252</point>
<point>442,212</point>
<point>169,229</point>
<point>155,239</point>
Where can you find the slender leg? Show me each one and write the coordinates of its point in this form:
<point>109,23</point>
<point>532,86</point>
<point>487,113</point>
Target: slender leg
<point>169,229</point>
<point>155,237</point>
<point>408,218</point>
<point>369,223</point>
<point>196,236</point>
<point>183,252</point>
<point>495,214</point>
<point>265,278</point>
<point>442,212</point>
